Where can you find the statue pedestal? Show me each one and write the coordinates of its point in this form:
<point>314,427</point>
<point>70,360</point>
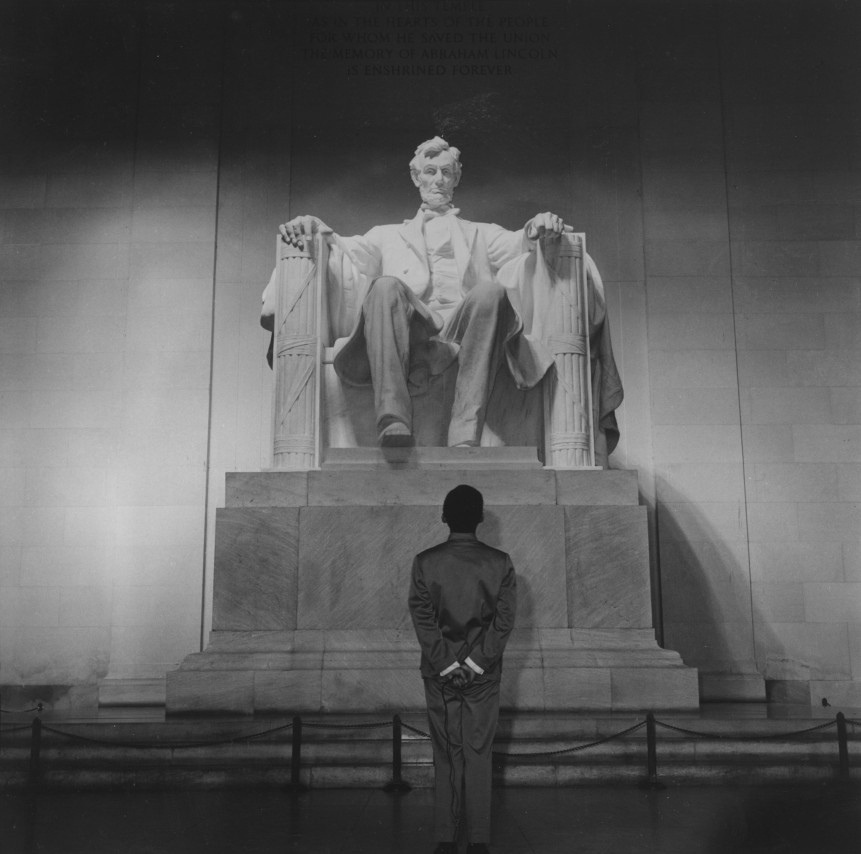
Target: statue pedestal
<point>312,573</point>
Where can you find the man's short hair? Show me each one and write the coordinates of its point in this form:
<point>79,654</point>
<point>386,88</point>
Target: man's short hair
<point>463,508</point>
<point>432,148</point>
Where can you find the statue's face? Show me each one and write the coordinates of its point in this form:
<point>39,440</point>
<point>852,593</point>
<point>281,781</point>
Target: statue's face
<point>437,179</point>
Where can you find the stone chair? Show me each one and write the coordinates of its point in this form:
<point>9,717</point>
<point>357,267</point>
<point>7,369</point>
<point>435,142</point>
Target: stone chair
<point>314,412</point>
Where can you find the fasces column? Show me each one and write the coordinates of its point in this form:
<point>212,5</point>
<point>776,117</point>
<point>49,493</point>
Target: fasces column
<point>568,388</point>
<point>297,354</point>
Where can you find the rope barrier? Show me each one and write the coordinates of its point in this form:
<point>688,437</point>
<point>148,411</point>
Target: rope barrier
<point>416,731</point>
<point>296,784</point>
<point>575,749</point>
<point>171,745</point>
<point>398,784</point>
<point>37,708</point>
<point>842,746</point>
<point>381,724</point>
<point>323,725</point>
<point>760,737</point>
<point>214,743</point>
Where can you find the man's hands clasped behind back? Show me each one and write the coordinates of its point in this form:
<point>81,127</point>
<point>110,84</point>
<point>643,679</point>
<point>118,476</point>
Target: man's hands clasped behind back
<point>461,677</point>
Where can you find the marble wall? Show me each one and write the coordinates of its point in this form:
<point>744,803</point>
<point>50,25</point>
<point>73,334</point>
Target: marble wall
<point>109,194</point>
<point>710,152</point>
<point>793,151</point>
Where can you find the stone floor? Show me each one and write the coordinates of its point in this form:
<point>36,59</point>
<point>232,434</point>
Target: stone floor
<point>812,819</point>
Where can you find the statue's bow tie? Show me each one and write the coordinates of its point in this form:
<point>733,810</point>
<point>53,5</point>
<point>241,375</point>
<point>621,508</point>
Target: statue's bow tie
<point>430,213</point>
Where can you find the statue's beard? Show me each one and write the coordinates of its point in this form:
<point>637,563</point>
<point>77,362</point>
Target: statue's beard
<point>436,197</point>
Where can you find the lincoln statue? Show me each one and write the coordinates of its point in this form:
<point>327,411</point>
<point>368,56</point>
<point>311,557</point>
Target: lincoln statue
<point>413,298</point>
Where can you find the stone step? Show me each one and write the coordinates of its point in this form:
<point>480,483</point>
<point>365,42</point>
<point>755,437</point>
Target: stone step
<point>508,457</point>
<point>426,484</point>
<point>416,750</point>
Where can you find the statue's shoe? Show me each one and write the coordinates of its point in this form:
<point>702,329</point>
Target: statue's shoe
<point>396,435</point>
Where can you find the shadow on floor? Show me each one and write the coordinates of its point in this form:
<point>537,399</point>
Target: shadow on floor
<point>813,819</point>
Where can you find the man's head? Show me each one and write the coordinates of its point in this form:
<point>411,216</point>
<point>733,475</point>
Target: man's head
<point>463,509</point>
<point>435,170</point>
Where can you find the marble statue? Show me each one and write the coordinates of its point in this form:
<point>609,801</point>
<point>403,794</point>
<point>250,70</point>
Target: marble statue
<point>407,300</point>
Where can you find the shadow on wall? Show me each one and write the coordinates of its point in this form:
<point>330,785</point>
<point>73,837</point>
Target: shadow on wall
<point>490,532</point>
<point>708,609</point>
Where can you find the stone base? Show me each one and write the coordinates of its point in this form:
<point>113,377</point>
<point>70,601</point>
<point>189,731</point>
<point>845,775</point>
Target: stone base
<point>377,671</point>
<point>312,572</point>
<point>747,687</point>
<point>132,692</point>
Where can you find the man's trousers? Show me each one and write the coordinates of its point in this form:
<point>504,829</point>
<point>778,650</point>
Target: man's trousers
<point>462,726</point>
<point>478,326</point>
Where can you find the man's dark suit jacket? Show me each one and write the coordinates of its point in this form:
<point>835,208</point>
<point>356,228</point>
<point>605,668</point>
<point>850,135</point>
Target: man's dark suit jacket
<point>463,600</point>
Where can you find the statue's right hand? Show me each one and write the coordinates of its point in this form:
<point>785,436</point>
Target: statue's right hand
<point>301,228</point>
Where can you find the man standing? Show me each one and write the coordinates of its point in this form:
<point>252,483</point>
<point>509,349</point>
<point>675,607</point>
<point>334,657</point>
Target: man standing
<point>463,598</point>
<point>429,293</point>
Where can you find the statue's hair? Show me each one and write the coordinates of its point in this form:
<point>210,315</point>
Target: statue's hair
<point>431,148</point>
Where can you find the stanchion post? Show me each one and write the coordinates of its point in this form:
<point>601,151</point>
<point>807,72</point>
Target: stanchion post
<point>651,781</point>
<point>842,747</point>
<point>296,784</point>
<point>35,751</point>
<point>397,783</point>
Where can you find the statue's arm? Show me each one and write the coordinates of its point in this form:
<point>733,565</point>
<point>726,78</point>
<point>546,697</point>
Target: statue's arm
<point>365,251</point>
<point>353,263</point>
<point>504,246</point>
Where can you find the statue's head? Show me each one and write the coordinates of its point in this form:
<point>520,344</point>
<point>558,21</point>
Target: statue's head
<point>435,170</point>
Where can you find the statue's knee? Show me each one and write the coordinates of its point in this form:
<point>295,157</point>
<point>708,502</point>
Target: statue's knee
<point>386,287</point>
<point>488,298</point>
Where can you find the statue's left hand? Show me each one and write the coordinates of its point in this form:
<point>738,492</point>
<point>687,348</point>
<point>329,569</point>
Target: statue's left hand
<point>546,224</point>
<point>300,229</point>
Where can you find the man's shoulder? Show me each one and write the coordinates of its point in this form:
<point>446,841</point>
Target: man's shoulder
<point>499,554</point>
<point>456,544</point>
<point>422,555</point>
